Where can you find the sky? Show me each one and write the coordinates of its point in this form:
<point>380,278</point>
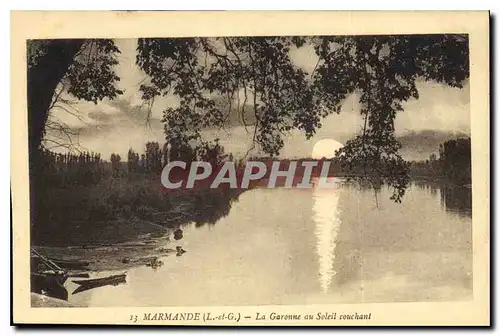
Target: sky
<point>115,126</point>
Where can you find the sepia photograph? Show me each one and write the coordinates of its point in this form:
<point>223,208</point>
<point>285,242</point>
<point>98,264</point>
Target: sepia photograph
<point>253,170</point>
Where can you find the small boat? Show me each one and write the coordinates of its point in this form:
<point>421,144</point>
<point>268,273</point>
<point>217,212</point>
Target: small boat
<point>50,283</point>
<point>114,279</point>
<point>68,264</point>
<point>86,285</point>
<point>50,277</point>
<point>78,275</point>
<point>71,264</point>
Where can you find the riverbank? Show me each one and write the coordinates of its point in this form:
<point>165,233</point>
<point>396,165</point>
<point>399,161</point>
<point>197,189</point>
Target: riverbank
<point>43,301</point>
<point>440,181</point>
<point>148,250</point>
<point>117,210</point>
<point>111,257</point>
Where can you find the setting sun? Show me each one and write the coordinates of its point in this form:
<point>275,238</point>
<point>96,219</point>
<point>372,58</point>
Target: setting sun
<point>325,148</point>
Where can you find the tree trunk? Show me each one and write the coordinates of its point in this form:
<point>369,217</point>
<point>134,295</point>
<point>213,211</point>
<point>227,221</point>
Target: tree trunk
<point>43,78</point>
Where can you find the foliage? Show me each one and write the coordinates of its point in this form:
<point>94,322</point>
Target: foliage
<point>115,162</point>
<point>453,164</point>
<point>107,211</point>
<point>199,69</point>
<point>91,75</point>
<point>62,68</point>
<point>382,70</point>
<point>133,161</point>
<point>82,200</point>
<point>63,170</point>
<point>378,161</point>
<point>456,159</point>
<point>153,157</point>
<point>259,72</point>
<point>211,152</point>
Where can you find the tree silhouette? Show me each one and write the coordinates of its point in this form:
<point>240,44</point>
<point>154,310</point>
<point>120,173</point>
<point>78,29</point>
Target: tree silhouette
<point>211,152</point>
<point>132,161</point>
<point>382,70</point>
<point>181,152</point>
<point>456,159</point>
<point>452,165</point>
<point>115,163</point>
<point>153,157</point>
<point>83,67</point>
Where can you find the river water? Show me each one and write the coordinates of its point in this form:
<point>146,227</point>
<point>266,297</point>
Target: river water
<point>306,246</point>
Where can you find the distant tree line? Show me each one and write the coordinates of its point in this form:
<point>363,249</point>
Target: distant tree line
<point>88,168</point>
<point>82,199</point>
<point>85,168</point>
<point>155,157</point>
<point>60,169</point>
<point>453,163</point>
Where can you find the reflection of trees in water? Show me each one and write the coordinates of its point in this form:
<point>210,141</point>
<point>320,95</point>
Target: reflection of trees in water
<point>208,210</point>
<point>457,199</point>
<point>368,184</point>
<point>453,198</point>
<point>119,210</point>
<point>431,187</point>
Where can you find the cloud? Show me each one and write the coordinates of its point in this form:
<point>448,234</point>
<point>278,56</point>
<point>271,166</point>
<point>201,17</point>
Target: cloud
<point>439,107</point>
<point>134,112</point>
<point>112,126</point>
<point>99,116</point>
<point>419,145</point>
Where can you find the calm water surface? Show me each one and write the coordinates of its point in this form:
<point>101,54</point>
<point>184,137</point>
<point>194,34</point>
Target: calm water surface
<point>296,246</point>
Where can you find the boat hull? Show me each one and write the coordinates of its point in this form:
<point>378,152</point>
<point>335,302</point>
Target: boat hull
<point>68,264</point>
<point>102,281</point>
<point>50,285</point>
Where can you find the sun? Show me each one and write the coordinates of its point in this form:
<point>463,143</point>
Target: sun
<point>325,149</point>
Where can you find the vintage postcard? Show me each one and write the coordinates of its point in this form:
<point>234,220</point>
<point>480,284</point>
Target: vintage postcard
<point>251,168</point>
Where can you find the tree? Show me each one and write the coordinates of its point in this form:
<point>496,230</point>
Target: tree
<point>211,152</point>
<point>181,152</point>
<point>142,163</point>
<point>153,157</point>
<point>382,70</point>
<point>84,68</point>
<point>115,163</point>
<point>132,161</point>
<point>199,69</point>
<point>456,160</point>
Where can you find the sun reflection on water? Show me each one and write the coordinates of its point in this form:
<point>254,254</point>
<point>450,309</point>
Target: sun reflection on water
<point>326,215</point>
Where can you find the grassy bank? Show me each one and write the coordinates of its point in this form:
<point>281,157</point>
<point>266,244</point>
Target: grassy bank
<point>120,209</point>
